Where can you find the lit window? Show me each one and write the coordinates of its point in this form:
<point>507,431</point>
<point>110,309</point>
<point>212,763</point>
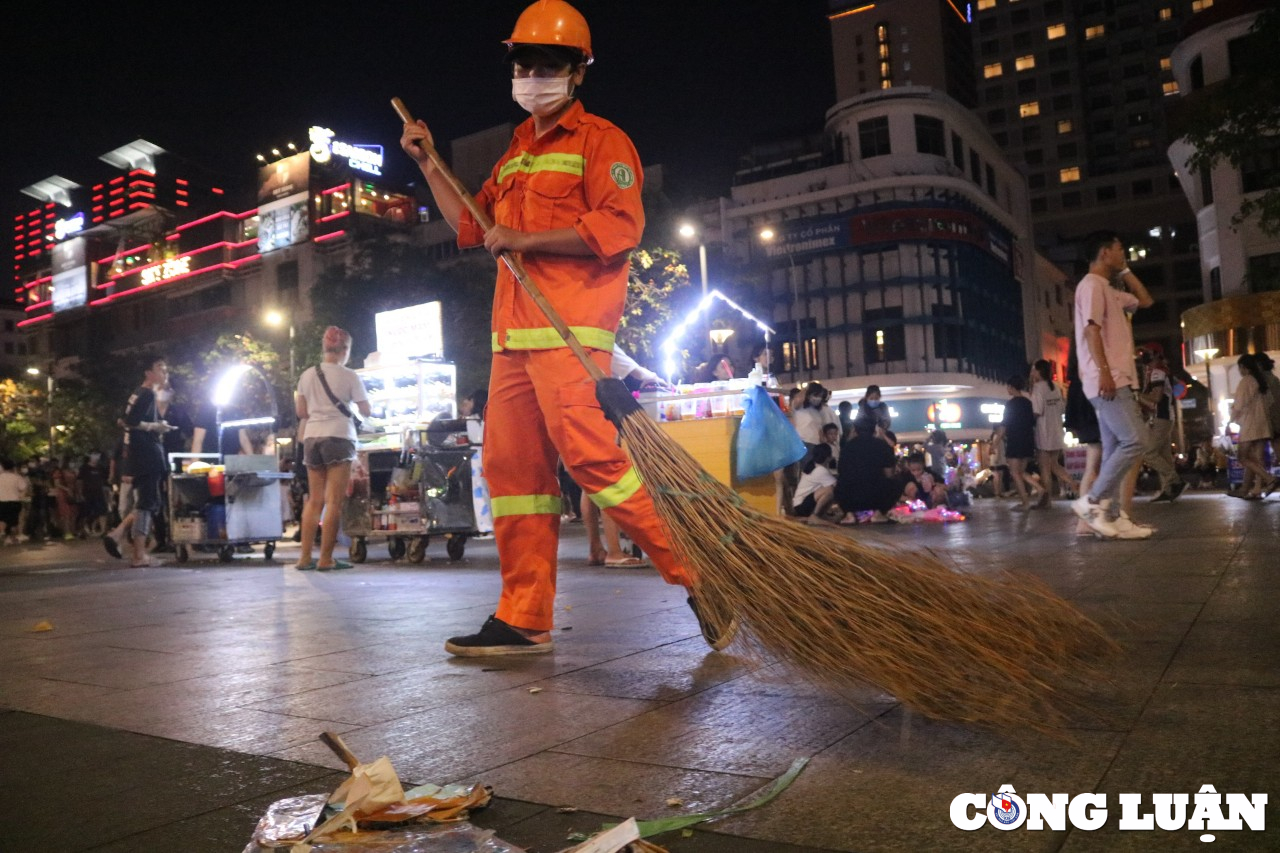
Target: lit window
<point>886,84</point>
<point>885,70</point>
<point>884,51</point>
<point>995,69</point>
<point>1031,108</point>
<point>1022,63</point>
<point>1065,125</point>
<point>1170,87</point>
<point>1166,14</point>
<point>1166,64</point>
<point>1200,5</point>
<point>986,4</point>
<point>1055,31</point>
<point>882,33</point>
<point>1069,175</point>
<point>1096,31</point>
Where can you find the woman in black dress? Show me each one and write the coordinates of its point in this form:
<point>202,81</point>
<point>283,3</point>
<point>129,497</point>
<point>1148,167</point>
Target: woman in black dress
<point>1019,430</point>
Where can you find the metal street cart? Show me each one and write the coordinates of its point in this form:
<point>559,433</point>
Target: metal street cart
<point>219,508</point>
<point>404,497</point>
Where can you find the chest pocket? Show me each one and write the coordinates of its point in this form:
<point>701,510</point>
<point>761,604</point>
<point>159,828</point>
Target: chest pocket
<point>552,200</point>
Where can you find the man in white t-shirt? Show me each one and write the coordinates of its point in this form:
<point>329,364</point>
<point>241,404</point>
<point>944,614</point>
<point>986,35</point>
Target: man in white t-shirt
<point>1104,341</point>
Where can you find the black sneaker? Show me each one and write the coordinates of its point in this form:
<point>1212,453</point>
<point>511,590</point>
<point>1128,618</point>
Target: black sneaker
<point>1176,490</point>
<point>495,638</point>
<point>716,638</point>
<point>113,547</point>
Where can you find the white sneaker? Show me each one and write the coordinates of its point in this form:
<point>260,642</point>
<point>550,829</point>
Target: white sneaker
<point>1095,515</point>
<point>1126,528</point>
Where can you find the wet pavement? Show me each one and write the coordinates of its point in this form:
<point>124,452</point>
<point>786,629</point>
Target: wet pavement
<point>169,706</point>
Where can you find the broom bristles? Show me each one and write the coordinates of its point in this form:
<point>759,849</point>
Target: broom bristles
<point>999,651</point>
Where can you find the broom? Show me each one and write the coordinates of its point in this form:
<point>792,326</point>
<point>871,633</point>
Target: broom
<point>1002,651</point>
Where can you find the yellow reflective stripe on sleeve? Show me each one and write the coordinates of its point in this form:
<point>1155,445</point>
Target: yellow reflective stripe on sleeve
<point>525,505</point>
<point>613,495</point>
<point>569,164</point>
<point>549,338</point>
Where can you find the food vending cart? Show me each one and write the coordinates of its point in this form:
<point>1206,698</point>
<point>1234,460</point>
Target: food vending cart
<point>406,379</point>
<point>218,502</point>
<point>407,496</point>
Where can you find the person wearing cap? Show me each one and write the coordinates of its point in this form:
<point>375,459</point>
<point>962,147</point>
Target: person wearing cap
<point>565,197</point>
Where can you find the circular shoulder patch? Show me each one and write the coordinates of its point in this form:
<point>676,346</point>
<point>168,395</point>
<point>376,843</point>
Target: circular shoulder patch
<point>622,175</point>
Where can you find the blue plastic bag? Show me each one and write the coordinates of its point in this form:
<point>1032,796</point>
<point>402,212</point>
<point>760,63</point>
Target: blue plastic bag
<point>766,439</point>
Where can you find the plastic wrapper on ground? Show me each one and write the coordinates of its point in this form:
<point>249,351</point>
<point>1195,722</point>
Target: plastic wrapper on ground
<point>284,816</point>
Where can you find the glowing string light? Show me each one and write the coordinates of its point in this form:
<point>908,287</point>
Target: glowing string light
<point>671,345</point>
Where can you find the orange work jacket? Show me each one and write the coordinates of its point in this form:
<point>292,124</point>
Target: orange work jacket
<point>583,174</point>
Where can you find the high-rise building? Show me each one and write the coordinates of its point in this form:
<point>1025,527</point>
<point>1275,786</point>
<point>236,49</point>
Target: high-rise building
<point>902,43</point>
<point>1076,93</point>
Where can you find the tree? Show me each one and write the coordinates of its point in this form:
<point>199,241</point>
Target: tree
<point>1238,120</point>
<point>389,273</point>
<point>657,275</point>
<point>21,434</point>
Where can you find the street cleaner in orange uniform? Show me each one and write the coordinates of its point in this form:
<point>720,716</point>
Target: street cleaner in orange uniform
<point>566,198</point>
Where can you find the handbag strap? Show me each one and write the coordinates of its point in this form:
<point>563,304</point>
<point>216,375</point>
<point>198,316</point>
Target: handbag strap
<point>333,398</point>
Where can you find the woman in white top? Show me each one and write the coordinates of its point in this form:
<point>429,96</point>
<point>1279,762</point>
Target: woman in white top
<point>1049,406</point>
<point>328,436</point>
<point>817,487</point>
<point>814,414</point>
<point>1250,411</point>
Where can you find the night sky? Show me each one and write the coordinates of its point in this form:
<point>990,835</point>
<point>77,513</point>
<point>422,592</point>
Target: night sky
<point>693,83</point>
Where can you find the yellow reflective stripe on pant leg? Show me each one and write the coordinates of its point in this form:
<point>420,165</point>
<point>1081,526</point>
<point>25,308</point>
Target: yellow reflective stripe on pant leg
<point>627,486</point>
<point>525,505</point>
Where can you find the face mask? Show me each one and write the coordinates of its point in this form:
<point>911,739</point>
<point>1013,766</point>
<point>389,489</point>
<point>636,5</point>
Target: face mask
<point>164,396</point>
<point>874,404</point>
<point>540,96</point>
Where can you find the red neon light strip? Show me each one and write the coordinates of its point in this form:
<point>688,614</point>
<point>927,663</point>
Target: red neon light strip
<point>141,172</point>
<point>181,181</point>
<point>217,191</point>
<point>336,189</point>
<point>333,236</point>
<point>333,216</point>
<point>38,305</point>
<point>224,244</point>
<point>30,320</point>
<point>150,287</point>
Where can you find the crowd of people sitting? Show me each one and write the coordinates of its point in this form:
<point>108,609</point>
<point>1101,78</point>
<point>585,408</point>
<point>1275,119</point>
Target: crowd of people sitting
<point>854,470</point>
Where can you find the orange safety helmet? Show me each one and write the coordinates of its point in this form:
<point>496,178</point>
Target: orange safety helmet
<point>552,22</point>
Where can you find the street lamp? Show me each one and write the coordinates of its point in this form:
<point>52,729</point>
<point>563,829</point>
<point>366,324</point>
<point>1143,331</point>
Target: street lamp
<point>689,231</point>
<point>277,318</point>
<point>48,401</point>
<point>768,235</point>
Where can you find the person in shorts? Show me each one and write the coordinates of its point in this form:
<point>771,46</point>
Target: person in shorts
<point>327,429</point>
<point>13,488</point>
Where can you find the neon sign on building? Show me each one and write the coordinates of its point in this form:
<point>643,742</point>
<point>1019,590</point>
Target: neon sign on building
<point>166,270</point>
<point>365,158</point>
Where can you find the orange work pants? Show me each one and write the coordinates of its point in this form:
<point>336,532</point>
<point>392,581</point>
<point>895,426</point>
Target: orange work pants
<point>542,405</point>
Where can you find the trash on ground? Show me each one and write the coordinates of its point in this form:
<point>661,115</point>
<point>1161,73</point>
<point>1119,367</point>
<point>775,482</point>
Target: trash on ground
<point>371,811</point>
<point>623,838</point>
<point>650,828</point>
<point>42,625</point>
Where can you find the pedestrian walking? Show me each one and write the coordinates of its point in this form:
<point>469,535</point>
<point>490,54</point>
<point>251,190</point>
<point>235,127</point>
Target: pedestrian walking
<point>1104,343</point>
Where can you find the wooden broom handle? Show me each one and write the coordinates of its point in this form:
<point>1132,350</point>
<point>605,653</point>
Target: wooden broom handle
<point>511,259</point>
<point>339,748</point>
